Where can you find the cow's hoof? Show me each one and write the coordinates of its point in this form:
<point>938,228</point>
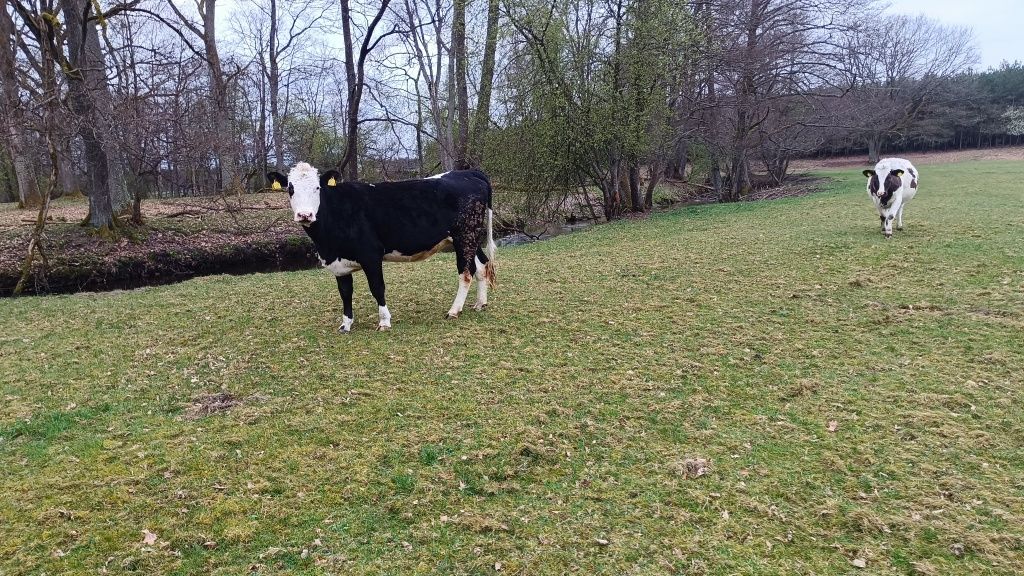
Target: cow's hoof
<point>899,227</point>
<point>888,236</point>
<point>479,307</point>
<point>383,327</point>
<point>450,316</point>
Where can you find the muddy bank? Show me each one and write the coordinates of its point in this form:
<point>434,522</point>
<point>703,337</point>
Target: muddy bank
<point>185,241</point>
<point>170,258</point>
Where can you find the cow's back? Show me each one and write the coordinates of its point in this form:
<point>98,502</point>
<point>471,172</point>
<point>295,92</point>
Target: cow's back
<point>413,216</point>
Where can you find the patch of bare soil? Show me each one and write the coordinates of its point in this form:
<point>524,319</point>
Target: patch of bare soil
<point>182,239</point>
<point>919,158</point>
<point>210,404</point>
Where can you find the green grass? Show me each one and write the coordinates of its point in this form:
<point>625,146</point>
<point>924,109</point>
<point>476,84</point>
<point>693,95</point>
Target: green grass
<point>560,416</point>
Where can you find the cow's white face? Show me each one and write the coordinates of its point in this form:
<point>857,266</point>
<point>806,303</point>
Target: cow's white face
<point>304,190</point>
<point>304,183</point>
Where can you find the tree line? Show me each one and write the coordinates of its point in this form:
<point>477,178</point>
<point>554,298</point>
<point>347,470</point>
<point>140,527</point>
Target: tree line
<point>583,103</point>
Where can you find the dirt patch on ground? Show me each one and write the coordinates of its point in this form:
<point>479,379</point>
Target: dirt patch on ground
<point>210,404</point>
<point>919,158</point>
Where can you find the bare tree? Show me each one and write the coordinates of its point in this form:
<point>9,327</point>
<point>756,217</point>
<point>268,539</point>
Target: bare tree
<point>461,91</point>
<point>12,115</point>
<point>483,104</point>
<point>205,30</point>
<point>899,66</point>
<point>84,66</point>
<point>355,75</point>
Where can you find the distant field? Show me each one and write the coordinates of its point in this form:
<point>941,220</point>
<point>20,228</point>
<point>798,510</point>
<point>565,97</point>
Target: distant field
<point>918,158</point>
<point>859,402</point>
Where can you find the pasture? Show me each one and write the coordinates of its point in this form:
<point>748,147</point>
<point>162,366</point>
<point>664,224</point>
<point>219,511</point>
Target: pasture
<point>858,403</point>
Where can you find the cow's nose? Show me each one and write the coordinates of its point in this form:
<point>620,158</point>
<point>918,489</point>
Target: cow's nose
<point>304,216</point>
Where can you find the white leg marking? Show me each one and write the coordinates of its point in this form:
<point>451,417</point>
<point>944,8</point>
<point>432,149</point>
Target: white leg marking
<point>899,215</point>
<point>460,296</point>
<point>481,286</point>
<point>346,324</point>
<point>385,318</point>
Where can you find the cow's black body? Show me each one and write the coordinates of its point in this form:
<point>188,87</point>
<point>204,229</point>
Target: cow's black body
<point>364,222</point>
<point>360,225</point>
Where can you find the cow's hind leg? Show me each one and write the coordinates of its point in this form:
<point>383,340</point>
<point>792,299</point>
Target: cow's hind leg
<point>468,236</point>
<point>466,270</point>
<point>482,281</point>
<point>899,219</point>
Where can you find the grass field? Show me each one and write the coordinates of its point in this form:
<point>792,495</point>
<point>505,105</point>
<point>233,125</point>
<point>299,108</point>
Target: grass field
<point>859,403</point>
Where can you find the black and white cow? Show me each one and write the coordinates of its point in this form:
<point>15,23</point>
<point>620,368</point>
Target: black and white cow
<point>891,185</point>
<point>358,226</point>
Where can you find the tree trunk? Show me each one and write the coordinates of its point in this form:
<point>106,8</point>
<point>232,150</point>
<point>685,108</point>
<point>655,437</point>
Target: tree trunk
<point>611,189</point>
<point>68,179</point>
<point>274,78</point>
<point>449,120</point>
<point>223,140</point>
<point>483,103</point>
<point>350,166</point>
<point>462,94</point>
<point>90,99</point>
<point>675,169</point>
<point>636,199</point>
<point>874,148</point>
<point>431,72</point>
<point>12,118</point>
<point>652,184</point>
<point>354,78</point>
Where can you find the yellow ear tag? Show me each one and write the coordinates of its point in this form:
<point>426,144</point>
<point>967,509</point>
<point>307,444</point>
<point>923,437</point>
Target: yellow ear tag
<point>276,185</point>
<point>331,182</point>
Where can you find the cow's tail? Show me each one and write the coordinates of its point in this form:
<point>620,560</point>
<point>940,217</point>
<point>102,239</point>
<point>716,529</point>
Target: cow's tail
<point>491,249</point>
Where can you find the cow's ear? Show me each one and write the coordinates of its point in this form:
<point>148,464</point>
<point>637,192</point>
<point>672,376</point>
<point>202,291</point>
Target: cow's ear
<point>868,173</point>
<point>897,172</point>
<point>276,180</point>
<point>330,178</point>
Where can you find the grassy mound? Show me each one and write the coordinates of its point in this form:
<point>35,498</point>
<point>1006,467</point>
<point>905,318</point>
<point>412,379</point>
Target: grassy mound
<point>757,388</point>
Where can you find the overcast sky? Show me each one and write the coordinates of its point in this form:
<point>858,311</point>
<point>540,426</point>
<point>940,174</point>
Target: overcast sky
<point>998,24</point>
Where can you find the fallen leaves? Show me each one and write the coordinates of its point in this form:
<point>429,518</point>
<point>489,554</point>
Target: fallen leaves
<point>148,538</point>
<point>833,425</point>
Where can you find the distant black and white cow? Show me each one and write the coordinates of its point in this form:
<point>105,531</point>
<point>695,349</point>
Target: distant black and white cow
<point>891,185</point>
<point>358,226</point>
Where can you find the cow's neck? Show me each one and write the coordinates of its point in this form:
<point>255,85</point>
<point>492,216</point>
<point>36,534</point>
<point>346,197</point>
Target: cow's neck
<point>332,213</point>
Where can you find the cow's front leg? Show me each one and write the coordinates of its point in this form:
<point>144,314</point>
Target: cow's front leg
<point>345,289</point>
<point>886,220</point>
<point>375,278</point>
